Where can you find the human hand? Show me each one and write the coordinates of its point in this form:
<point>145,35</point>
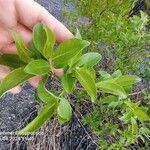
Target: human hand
<point>20,16</point>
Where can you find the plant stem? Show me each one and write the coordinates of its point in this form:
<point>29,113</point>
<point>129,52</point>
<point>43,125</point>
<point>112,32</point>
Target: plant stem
<point>62,94</point>
<point>136,93</point>
<point>51,66</point>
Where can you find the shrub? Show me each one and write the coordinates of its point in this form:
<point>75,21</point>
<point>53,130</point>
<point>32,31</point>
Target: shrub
<point>40,59</point>
<point>115,30</point>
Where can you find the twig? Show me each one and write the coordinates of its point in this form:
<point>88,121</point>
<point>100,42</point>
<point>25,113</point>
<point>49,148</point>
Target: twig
<point>136,93</point>
<point>85,129</point>
<point>81,142</point>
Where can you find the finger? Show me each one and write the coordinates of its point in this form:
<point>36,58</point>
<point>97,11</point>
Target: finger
<point>31,13</point>
<point>5,41</point>
<point>5,38</point>
<point>35,81</point>
<point>58,72</point>
<point>4,70</point>
<point>25,33</point>
<point>61,32</point>
<point>15,90</point>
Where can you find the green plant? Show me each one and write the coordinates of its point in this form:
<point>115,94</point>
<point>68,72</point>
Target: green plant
<point>40,59</point>
<point>123,41</point>
<point>125,37</point>
<point>119,123</point>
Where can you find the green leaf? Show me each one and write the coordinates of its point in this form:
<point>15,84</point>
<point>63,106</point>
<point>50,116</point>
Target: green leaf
<point>128,89</point>
<point>23,52</point>
<point>39,37</point>
<point>127,80</point>
<point>36,97</point>
<point>132,105</point>
<point>49,44</point>
<point>87,82</point>
<point>64,110</point>
<point>145,130</point>
<point>117,73</point>
<point>61,120</point>
<point>68,50</point>
<point>78,35</point>
<point>45,95</point>
<point>139,112</point>
<point>110,87</point>
<point>13,79</point>
<point>134,126</point>
<point>37,67</point>
<point>72,62</point>
<point>11,60</point>
<point>67,82</point>
<point>92,72</point>
<point>141,115</point>
<point>104,75</point>
<point>46,113</point>
<point>115,104</point>
<point>127,116</point>
<point>44,40</point>
<point>37,54</point>
<point>109,99</point>
<point>89,59</point>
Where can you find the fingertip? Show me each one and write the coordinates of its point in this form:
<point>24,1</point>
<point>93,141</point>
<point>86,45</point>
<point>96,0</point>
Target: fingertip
<point>16,90</point>
<point>65,34</point>
<point>58,72</point>
<point>61,32</point>
<point>59,29</point>
<point>9,49</point>
<point>4,71</point>
<point>35,81</point>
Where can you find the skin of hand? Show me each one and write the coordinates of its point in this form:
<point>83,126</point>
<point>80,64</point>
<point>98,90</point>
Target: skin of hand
<point>20,16</point>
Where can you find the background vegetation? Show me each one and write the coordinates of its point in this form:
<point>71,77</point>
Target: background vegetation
<point>123,39</point>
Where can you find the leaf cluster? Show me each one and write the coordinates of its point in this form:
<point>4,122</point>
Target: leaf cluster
<point>119,123</point>
<point>122,40</point>
<point>41,58</point>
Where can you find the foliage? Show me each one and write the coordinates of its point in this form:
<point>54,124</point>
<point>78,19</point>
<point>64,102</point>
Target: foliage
<point>110,24</point>
<point>119,123</point>
<point>81,69</point>
<point>123,41</point>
